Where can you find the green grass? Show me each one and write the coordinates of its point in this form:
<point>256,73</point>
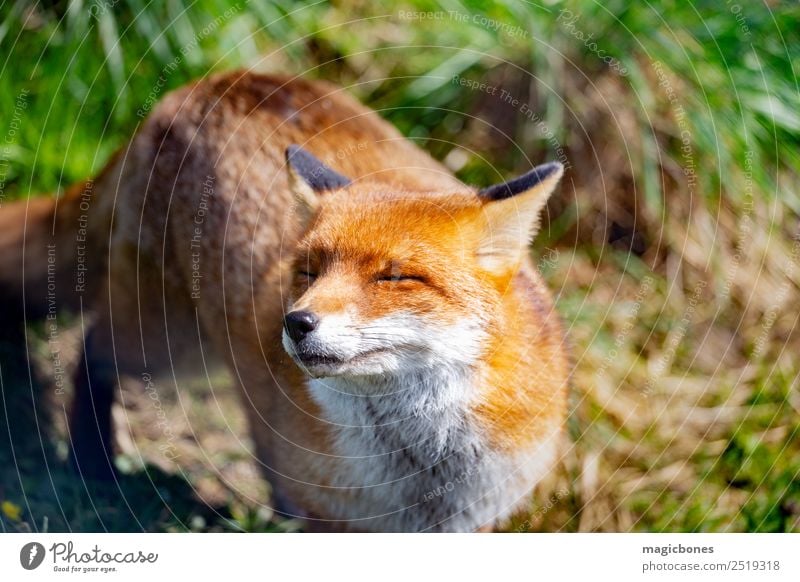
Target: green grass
<point>685,401</point>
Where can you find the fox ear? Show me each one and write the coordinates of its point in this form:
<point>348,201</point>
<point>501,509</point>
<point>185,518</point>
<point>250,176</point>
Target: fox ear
<point>309,177</point>
<point>512,212</point>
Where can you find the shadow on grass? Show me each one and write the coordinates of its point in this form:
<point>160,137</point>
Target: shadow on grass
<point>40,492</point>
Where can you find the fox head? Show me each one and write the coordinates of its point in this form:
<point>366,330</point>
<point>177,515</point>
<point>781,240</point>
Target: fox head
<point>386,281</point>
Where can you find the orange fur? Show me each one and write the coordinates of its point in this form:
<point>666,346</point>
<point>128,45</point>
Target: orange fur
<point>404,211</point>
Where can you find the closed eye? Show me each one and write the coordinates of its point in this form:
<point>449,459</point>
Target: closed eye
<point>307,274</point>
<point>399,277</point>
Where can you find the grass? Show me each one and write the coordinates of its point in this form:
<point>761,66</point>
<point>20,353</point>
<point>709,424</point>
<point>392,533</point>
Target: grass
<point>672,248</point>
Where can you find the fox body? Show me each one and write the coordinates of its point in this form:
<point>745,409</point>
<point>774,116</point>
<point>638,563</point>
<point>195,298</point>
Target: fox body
<point>397,354</point>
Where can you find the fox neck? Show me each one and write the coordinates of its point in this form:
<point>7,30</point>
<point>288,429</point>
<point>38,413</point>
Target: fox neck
<point>424,414</point>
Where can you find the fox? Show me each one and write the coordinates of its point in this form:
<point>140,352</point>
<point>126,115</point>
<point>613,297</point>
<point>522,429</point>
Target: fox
<point>398,356</point>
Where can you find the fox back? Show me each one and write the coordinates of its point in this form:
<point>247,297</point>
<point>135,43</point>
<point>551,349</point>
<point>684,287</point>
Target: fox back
<point>397,354</point>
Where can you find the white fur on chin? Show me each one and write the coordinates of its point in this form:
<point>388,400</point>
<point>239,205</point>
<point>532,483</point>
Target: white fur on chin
<point>404,431</point>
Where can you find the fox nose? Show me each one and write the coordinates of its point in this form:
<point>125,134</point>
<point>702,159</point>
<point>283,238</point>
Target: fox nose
<point>299,324</point>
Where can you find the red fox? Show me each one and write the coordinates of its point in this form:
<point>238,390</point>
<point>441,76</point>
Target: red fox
<point>398,355</point>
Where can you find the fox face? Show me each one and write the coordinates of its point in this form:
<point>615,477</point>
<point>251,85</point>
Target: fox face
<point>382,284</point>
<point>387,282</point>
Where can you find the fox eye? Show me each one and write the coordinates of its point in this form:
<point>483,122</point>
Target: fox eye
<point>307,274</point>
<point>396,278</point>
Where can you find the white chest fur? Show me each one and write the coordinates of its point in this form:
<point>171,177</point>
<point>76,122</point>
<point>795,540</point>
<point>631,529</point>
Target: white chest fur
<point>414,457</point>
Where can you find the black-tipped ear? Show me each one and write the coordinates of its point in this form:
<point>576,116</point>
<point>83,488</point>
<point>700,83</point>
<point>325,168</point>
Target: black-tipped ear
<point>512,214</point>
<point>522,184</point>
<point>312,171</point>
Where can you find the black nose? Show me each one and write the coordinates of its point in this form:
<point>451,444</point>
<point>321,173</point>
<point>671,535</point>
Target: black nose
<point>298,324</point>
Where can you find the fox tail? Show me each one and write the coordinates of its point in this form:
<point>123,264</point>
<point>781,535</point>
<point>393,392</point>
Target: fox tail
<point>53,251</point>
